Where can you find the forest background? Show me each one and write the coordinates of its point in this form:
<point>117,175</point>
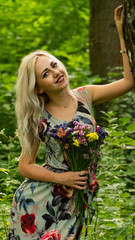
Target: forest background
<point>84,37</point>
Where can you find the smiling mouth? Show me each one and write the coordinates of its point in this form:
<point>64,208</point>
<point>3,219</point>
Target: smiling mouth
<point>60,79</point>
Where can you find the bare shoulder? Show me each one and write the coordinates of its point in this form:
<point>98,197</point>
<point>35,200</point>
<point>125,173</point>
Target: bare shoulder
<point>90,89</point>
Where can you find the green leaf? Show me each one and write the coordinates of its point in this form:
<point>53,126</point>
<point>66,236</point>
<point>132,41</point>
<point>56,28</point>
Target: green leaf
<point>125,195</point>
<point>4,170</point>
<point>124,120</point>
<point>109,225</point>
<point>131,127</point>
<point>117,133</point>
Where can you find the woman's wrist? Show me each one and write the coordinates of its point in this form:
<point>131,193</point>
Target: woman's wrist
<point>122,45</point>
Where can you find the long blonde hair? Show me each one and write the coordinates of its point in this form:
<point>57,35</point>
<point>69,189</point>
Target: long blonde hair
<point>29,105</point>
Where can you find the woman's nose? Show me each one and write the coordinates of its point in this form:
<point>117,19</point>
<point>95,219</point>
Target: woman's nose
<point>55,72</point>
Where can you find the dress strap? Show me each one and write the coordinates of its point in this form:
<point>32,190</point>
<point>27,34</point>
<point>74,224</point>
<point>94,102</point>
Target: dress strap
<point>83,95</point>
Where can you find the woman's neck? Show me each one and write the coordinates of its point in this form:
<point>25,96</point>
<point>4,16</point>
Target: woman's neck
<point>61,99</point>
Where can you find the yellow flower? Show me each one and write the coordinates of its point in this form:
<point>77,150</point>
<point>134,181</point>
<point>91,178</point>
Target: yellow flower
<point>8,223</point>
<point>92,136</point>
<point>76,143</point>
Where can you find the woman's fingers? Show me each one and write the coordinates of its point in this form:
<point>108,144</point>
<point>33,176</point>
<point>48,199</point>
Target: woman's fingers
<point>118,12</point>
<point>83,173</point>
<point>81,183</point>
<point>76,180</point>
<point>118,17</point>
<point>79,187</point>
<point>82,178</point>
<point>119,9</point>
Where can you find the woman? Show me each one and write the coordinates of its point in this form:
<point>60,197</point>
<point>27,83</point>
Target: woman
<point>43,207</point>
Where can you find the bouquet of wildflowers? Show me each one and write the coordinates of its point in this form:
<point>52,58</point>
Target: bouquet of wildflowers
<point>80,147</point>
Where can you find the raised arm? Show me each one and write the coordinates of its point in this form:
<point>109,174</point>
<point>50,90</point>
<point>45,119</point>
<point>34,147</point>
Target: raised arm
<point>104,93</point>
<point>28,168</point>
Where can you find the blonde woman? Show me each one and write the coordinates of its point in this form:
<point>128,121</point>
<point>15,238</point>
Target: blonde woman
<point>43,206</point>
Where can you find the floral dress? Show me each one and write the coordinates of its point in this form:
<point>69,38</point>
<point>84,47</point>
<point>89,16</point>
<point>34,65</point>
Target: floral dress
<point>43,210</point>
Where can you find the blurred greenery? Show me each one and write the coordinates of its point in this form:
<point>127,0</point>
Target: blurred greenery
<point>62,28</point>
<point>55,26</point>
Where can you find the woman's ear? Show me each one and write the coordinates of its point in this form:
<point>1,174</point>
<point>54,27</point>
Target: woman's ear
<point>39,91</point>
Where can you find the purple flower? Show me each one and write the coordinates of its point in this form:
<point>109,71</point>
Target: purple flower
<point>102,135</point>
<point>86,156</point>
<point>99,130</point>
<point>99,154</point>
<point>69,131</point>
<point>91,151</point>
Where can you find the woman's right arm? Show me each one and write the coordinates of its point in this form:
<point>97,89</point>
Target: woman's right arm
<point>28,168</point>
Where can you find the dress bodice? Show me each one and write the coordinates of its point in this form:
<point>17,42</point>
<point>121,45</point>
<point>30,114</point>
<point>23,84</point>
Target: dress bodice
<point>84,115</point>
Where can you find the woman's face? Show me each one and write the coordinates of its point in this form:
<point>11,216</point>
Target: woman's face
<point>50,75</point>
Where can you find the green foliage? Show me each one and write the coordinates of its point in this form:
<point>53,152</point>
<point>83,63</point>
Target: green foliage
<point>61,27</point>
<point>114,203</point>
<point>115,207</point>
<point>28,25</point>
<point>10,178</point>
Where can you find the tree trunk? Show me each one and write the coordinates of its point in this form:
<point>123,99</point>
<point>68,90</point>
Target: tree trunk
<point>104,41</point>
<point>104,44</point>
<point>129,31</point>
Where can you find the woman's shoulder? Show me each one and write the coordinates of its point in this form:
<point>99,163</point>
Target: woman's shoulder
<point>83,93</point>
<point>80,89</point>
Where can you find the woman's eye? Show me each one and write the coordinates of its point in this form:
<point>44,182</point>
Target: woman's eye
<point>45,74</point>
<point>54,65</point>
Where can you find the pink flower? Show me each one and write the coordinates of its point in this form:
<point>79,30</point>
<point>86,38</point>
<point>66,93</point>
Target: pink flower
<point>52,235</point>
<point>91,151</point>
<point>84,140</point>
<point>86,156</point>
<point>99,154</point>
<point>81,133</point>
<point>75,128</point>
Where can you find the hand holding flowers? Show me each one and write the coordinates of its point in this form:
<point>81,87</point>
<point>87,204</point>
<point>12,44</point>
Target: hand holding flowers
<point>77,180</point>
<point>81,150</point>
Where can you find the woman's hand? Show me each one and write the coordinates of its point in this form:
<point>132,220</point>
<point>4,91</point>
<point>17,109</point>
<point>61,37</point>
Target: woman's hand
<point>76,180</point>
<point>118,17</point>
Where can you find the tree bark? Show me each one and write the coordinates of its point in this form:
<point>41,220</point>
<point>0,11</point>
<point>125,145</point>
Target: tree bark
<point>104,41</point>
<point>104,44</point>
<point>129,31</point>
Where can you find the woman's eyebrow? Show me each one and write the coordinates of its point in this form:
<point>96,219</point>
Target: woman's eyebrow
<point>51,64</point>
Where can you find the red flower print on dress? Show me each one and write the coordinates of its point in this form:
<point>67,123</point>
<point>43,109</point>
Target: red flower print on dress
<point>28,223</point>
<point>63,190</point>
<point>52,235</point>
<point>86,199</point>
<point>43,128</point>
<point>81,89</point>
<point>94,184</point>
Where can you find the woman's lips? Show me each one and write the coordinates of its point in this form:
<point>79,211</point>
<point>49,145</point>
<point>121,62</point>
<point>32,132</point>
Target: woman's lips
<point>60,79</point>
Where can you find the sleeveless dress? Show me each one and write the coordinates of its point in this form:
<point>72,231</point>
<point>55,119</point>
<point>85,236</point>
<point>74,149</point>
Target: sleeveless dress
<point>43,210</point>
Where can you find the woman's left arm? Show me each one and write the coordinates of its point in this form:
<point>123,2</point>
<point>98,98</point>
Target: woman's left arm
<point>103,93</point>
